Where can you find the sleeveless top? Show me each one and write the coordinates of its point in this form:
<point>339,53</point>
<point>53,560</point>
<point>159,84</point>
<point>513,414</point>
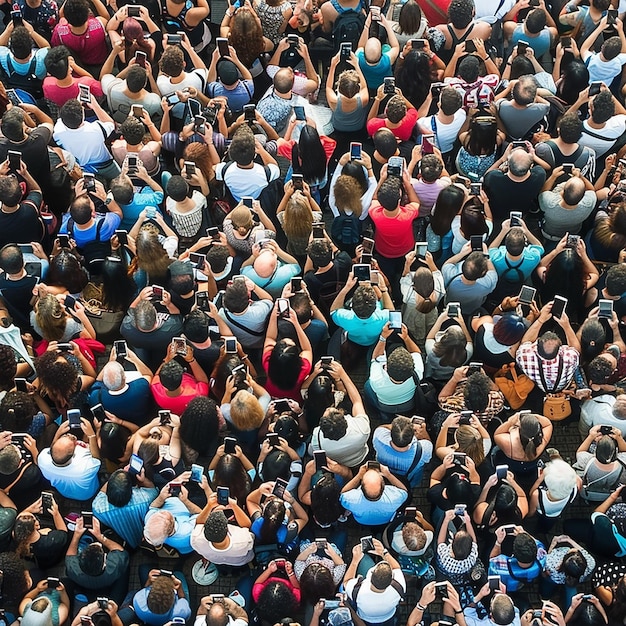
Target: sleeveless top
<point>553,508</point>
<point>352,121</point>
<point>474,167</point>
<point>272,19</point>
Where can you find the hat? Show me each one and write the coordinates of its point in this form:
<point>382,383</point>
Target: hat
<point>340,617</point>
<point>227,72</point>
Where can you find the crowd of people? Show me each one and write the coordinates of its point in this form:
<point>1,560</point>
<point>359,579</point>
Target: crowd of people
<point>243,326</point>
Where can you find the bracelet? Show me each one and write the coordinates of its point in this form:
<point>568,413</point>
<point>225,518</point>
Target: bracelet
<point>385,552</point>
<point>458,612</point>
<point>419,607</point>
<point>382,339</point>
<point>486,58</point>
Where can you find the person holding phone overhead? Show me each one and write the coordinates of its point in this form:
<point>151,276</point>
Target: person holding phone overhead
<point>399,115</point>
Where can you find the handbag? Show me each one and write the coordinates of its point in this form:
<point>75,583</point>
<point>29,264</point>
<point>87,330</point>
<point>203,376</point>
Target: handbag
<point>515,387</point>
<point>556,405</point>
<point>106,323</point>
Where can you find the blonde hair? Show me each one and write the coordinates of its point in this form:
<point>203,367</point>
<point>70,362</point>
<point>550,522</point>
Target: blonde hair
<point>50,317</point>
<point>241,217</point>
<point>246,412</point>
<point>470,442</point>
<point>298,217</point>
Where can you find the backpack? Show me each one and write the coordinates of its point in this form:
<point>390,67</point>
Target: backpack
<point>94,251</point>
<point>348,26</point>
<point>599,489</point>
<point>227,196</point>
<point>346,230</point>
<point>26,82</point>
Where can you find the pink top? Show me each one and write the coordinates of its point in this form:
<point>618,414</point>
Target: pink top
<point>275,391</point>
<point>257,588</point>
<point>60,95</point>
<point>190,389</point>
<point>91,46</point>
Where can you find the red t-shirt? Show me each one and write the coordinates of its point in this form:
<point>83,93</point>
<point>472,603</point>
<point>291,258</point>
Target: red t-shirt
<point>328,144</point>
<point>435,11</point>
<point>91,46</point>
<point>393,236</point>
<point>60,95</point>
<point>403,132</point>
<point>275,391</point>
<point>190,389</point>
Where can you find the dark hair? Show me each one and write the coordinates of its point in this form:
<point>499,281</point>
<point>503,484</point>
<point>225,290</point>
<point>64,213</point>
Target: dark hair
<point>461,13</point>
<point>17,408</point>
<point>536,21</point>
<point>118,288</point>
<point>14,581</point>
<point>603,107</point>
<point>113,441</point>
<point>410,18</point>
<point>385,142</point>
<point>21,43</point>
<point>333,424</point>
<point>469,68</point>
<point>71,112</point>
<point>242,148</point>
<point>91,559</point>
<point>276,601</point>
<point>8,369</point>
<point>66,271</point>
<point>308,156</point>
<point>482,137</point>
<point>524,548</point>
<point>592,339</point>
<point>575,78</point>
<point>10,190</point>
<point>325,505</point>
<point>476,392</point>
<point>316,581</point>
<point>284,365</point>
<point>119,488</point>
<point>390,193</point>
<point>565,277</point>
<point>570,128</point>
<point>448,204</point>
<point>530,435</point>
<point>277,464</point>
<point>230,471</point>
<point>177,188</point>
<point>57,62</point>
<point>355,170</point>
<point>199,425</point>
<point>413,77</point>
<point>473,218</point>
<point>273,516</point>
<point>509,329</point>
<point>236,297</point>
<point>56,374</point>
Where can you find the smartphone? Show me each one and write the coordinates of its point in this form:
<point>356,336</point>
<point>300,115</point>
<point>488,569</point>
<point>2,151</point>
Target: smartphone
<point>283,308</point>
<point>520,144</point>
<point>318,231</point>
<point>133,10</point>
<point>527,294</point>
<point>198,260</point>
<point>174,39</point>
<point>558,306</point>
<point>494,583</point>
<point>151,212</point>
<point>21,384</point>
<point>355,150</point>
<point>606,430</point>
<point>122,237</point>
<point>367,544</point>
<point>459,509</point>
<point>298,182</point>
<point>335,604</point>
<point>475,189</point>
<point>299,113</point>
<point>14,99</point>
<point>588,597</point>
<point>319,456</point>
<point>194,107</point>
<point>180,344</point>
<point>566,43</point>
<point>395,320</point>
<point>594,88</point>
<point>501,471</point>
<point>73,418</point>
<point>466,417</point>
<point>367,245</point>
<point>470,46</point>
<point>172,99</point>
<point>103,603</point>
<point>85,620</point>
<point>120,348</point>
<point>441,589</point>
<point>16,18</point>
<point>136,464</point>
<point>375,465</point>
<point>166,572</point>
<point>516,218</point>
<point>410,512</point>
<point>458,458</point>
<point>435,88</point>
<point>89,182</point>
<point>428,144</point>
<point>87,519</point>
<point>222,46</point>
<point>476,242</point>
<point>279,487</point>
<point>418,44</point>
<point>53,582</point>
<point>326,361</point>
<point>47,500</point>
<point>611,17</point>
<point>345,50</point>
<point>229,445</point>
<point>157,292</point>
<point>605,310</point>
<point>249,113</point>
<point>454,309</point>
<point>230,345</point>
<point>296,284</point>
<point>84,93</point>
<point>213,232</point>
<point>15,160</point>
<point>389,85</point>
<point>174,489</point>
<point>418,419</point>
<point>239,374</point>
<point>294,40</point>
<point>509,529</point>
<point>421,248</point>
<point>395,165</point>
<point>223,493</point>
<point>568,169</point>
<point>165,417</point>
<point>375,13</point>
<point>522,46</point>
<point>362,272</point>
<point>199,124</point>
<point>202,301</point>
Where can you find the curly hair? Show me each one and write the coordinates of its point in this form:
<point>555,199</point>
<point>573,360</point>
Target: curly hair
<point>15,580</point>
<point>275,602</point>
<point>246,36</point>
<point>22,532</point>
<point>364,301</point>
<point>161,595</point>
<point>476,392</point>
<point>56,375</point>
<point>199,425</point>
<point>16,411</point>
<point>316,582</point>
<point>50,317</point>
<point>200,155</point>
<point>8,367</point>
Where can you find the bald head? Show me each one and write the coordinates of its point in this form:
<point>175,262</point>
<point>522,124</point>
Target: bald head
<point>283,80</point>
<point>520,162</point>
<point>573,191</point>
<point>373,484</point>
<point>62,450</point>
<point>373,50</point>
<point>265,264</point>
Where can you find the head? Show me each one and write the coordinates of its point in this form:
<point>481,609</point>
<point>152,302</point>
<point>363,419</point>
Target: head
<point>72,114</point>
<point>10,190</point>
<point>333,424</point>
<point>172,61</point>
<point>113,441</point>
<point>410,17</point>
<point>57,376</point>
<point>521,66</point>
<point>559,478</point>
<point>570,128</point>
<point>530,434</point>
<point>413,536</point>
<point>400,365</point>
<point>348,83</point>
<point>348,193</point>
<point>145,316</point>
<point>601,369</point>
<point>216,527</point>
<point>476,392</point>
<point>21,43</point>
<point>92,559</point>
<point>462,545</point>
<point>16,581</point>
<point>548,345</point>
<point>364,301</point>
<point>509,329</point>
<point>611,48</point>
<point>524,548</point>
<point>372,485</point>
<point>298,218</point>
<point>431,167</point>
<point>243,146</point>
<point>283,80</point>
<point>381,575</point>
<point>448,204</point>
<point>602,107</point>
<point>502,610</point>
<point>520,162</point>
<point>474,266</point>
<point>373,51</point>
<point>13,124</point>
<point>132,129</point>
<point>246,413</point>
<point>450,101</point>
<point>470,442</point>
<point>316,582</point>
<point>325,495</point>
<point>515,241</point>
<point>390,193</point>
<point>177,188</point>
<point>16,408</point>
<point>535,21</point>
<point>473,219</point>
<point>236,297</point>
<point>619,408</point>
<point>451,347</point>
<point>266,263</point>
<point>385,141</point>
<point>402,432</point>
<point>461,13</point>
<point>161,596</point>
<point>592,339</point>
<point>11,259</point>
<point>275,602</point>
<point>424,287</point>
<point>573,191</point>
<point>616,280</point>
<point>199,425</point>
<point>158,527</point>
<point>57,62</point>
<point>469,68</point>
<point>525,90</point>
<point>320,252</point>
<point>136,80</point>
<point>119,488</point>
<point>227,72</point>
<point>284,364</point>
<point>396,109</point>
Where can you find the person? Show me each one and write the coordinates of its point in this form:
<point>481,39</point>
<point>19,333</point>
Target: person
<point>161,599</point>
<point>606,64</point>
<point>71,465</point>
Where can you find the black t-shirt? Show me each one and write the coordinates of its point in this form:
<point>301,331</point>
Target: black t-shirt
<point>17,294</point>
<point>25,224</point>
<point>338,273</point>
<point>506,195</point>
<point>34,151</point>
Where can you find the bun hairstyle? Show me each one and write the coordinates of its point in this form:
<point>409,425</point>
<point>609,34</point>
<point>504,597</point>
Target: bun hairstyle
<point>424,285</point>
<point>530,434</point>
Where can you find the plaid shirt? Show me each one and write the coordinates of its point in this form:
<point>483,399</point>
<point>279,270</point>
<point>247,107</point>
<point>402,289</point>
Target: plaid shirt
<point>530,362</point>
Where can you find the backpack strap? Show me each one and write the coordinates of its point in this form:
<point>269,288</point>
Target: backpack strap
<point>70,227</point>
<point>558,377</point>
<point>449,282</point>
<point>416,459</point>
<point>360,580</point>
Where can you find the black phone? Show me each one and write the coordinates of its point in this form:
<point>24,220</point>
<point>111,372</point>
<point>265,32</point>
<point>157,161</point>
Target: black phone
<point>502,471</point>
<point>280,487</point>
<point>395,165</point>
<point>494,583</point>
<point>389,85</point>
<point>229,445</point>
<point>318,231</point>
<point>475,189</point>
<point>298,182</point>
<point>296,284</point>
<point>605,309</point>
<point>174,489</point>
<point>73,418</point>
<point>527,294</point>
<point>17,19</point>
<point>558,306</point>
<point>476,243</point>
<point>293,40</point>
<point>611,17</point>
<point>273,439</point>
<point>14,99</point>
<point>15,160</point>
<point>47,500</point>
<point>375,465</point>
<point>362,272</point>
<point>87,519</point>
<point>230,345</point>
<point>222,46</point>
<point>470,46</point>
<point>136,464</point>
<point>202,301</point>
<point>418,44</point>
<point>367,544</point>
<point>223,493</point>
<point>249,113</point>
<point>120,348</point>
<point>441,589</point>
<point>522,46</point>
<point>133,10</point>
<point>355,150</point>
<point>594,88</point>
<point>174,39</point>
<point>299,113</point>
<point>122,237</point>
<point>345,50</point>
<point>326,361</point>
<point>319,456</point>
<point>103,603</point>
<point>566,42</point>
<point>21,384</point>
<point>53,582</point>
<point>89,182</point>
<point>199,124</point>
<point>466,418</point>
<point>165,417</point>
<point>197,259</point>
<point>606,430</point>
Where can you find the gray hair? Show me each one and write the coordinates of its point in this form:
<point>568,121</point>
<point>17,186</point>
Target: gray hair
<point>113,376</point>
<point>559,478</point>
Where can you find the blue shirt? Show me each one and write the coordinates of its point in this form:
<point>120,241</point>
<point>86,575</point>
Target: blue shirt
<point>184,524</point>
<point>373,513</point>
<point>237,97</point>
<point>140,604</point>
<point>375,74</point>
<point>274,284</point>
<point>83,237</point>
<point>363,332</point>
<point>540,43</point>
<point>511,574</point>
<point>531,257</point>
<point>132,405</point>
<point>142,199</point>
<point>22,68</point>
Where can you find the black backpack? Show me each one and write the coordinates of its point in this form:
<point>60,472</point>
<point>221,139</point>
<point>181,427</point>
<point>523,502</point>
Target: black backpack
<point>96,251</point>
<point>348,26</point>
<point>26,82</point>
<point>346,230</point>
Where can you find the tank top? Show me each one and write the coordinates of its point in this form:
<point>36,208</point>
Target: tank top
<point>352,121</point>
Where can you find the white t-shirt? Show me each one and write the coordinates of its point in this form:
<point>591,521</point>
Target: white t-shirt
<point>239,552</point>
<point>485,8</point>
<point>445,134</point>
<point>373,606</point>
<point>246,182</point>
<point>352,448</point>
<point>603,139</point>
<point>196,78</point>
<point>604,71</point>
